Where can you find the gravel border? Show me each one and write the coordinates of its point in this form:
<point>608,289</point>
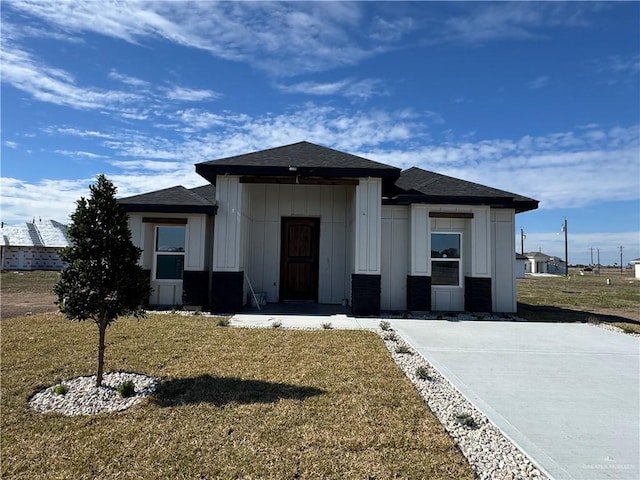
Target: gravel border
<point>84,398</point>
<point>491,454</point>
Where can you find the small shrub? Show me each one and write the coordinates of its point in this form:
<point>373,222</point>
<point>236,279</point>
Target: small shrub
<point>61,389</point>
<point>276,324</point>
<point>439,316</point>
<point>422,373</point>
<point>403,349</point>
<point>465,419</point>
<point>126,389</point>
<point>223,322</point>
<point>327,325</point>
<point>385,325</point>
<point>391,337</point>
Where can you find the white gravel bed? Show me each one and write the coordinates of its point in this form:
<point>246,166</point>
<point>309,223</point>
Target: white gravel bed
<point>492,455</point>
<point>613,328</point>
<point>84,398</point>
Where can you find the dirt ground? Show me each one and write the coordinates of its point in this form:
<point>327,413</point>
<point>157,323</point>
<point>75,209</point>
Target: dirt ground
<point>27,293</point>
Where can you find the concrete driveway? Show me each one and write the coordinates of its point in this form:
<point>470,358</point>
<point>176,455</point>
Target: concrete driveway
<point>567,394</point>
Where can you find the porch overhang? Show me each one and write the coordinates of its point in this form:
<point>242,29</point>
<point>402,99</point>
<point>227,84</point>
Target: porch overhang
<point>313,174</point>
<point>138,208</point>
<point>519,205</point>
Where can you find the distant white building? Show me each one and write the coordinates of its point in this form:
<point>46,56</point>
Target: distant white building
<point>538,262</point>
<point>521,265</point>
<point>33,246</point>
<point>636,267</point>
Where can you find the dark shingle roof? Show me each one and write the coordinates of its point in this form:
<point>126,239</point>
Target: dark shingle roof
<point>421,186</point>
<point>307,158</point>
<point>173,200</point>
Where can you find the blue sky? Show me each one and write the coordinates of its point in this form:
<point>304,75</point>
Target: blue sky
<point>541,99</point>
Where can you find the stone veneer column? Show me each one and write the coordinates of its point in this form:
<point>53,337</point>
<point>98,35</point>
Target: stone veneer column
<point>418,293</point>
<point>477,294</point>
<point>365,296</point>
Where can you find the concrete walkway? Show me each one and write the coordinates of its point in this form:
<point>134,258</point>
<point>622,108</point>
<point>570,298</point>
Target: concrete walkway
<point>567,394</point>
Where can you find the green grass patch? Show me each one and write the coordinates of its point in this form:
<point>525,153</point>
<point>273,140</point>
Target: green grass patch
<point>232,403</point>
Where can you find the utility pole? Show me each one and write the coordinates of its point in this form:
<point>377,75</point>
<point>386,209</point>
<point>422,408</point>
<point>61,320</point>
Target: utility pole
<point>621,247</point>
<point>522,237</point>
<point>591,256</point>
<point>566,248</point>
<point>598,259</point>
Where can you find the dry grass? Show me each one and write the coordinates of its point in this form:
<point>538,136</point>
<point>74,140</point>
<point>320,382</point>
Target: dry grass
<point>234,403</point>
<point>582,298</point>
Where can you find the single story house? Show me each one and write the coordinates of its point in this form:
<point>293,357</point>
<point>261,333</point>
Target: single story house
<point>636,267</point>
<point>306,223</point>
<point>521,265</point>
<point>539,262</point>
<point>33,246</point>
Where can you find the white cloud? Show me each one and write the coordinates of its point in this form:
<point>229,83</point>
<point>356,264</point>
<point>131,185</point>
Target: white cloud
<point>190,94</point>
<point>127,79</point>
<point>55,199</point>
<point>270,36</point>
<point>79,154</point>
<point>350,88</point>
<point>565,169</point>
<point>538,82</point>
<point>10,144</point>
<point>625,64</point>
<point>483,22</point>
<point>47,84</point>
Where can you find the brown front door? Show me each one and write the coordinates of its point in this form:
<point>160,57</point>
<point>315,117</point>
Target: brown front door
<point>300,240</point>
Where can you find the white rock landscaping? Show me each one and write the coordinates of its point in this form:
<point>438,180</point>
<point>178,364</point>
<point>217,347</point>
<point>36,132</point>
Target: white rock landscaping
<point>84,398</point>
<point>492,455</point>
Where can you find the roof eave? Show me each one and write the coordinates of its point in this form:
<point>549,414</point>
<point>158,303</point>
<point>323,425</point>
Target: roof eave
<point>495,202</point>
<point>156,208</point>
<point>210,172</point>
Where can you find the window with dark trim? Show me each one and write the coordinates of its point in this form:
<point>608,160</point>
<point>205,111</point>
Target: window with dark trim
<point>445,259</point>
<point>170,240</point>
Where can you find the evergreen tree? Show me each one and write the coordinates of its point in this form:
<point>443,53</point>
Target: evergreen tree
<point>102,279</point>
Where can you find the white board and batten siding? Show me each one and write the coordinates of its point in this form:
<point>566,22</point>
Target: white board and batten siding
<point>395,246</point>
<point>503,284</point>
<point>169,292</point>
<point>368,226</point>
<point>331,204</point>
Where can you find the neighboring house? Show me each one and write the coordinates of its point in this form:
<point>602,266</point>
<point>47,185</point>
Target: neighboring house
<point>308,223</point>
<point>538,262</point>
<point>521,265</point>
<point>33,246</point>
<point>636,267</point>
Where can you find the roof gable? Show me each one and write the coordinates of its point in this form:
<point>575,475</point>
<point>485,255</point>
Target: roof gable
<point>416,185</point>
<point>301,158</point>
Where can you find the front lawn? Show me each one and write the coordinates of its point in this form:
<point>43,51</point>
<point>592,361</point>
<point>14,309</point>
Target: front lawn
<point>233,403</point>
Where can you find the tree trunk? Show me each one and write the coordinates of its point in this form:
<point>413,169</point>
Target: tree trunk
<point>102,327</point>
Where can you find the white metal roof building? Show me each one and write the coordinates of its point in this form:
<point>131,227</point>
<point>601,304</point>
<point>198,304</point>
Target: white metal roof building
<point>33,246</point>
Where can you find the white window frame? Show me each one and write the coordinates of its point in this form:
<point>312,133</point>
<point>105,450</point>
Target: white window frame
<point>438,259</point>
<point>157,253</point>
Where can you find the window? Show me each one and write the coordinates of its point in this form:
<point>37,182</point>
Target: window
<point>169,252</point>
<point>445,259</point>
